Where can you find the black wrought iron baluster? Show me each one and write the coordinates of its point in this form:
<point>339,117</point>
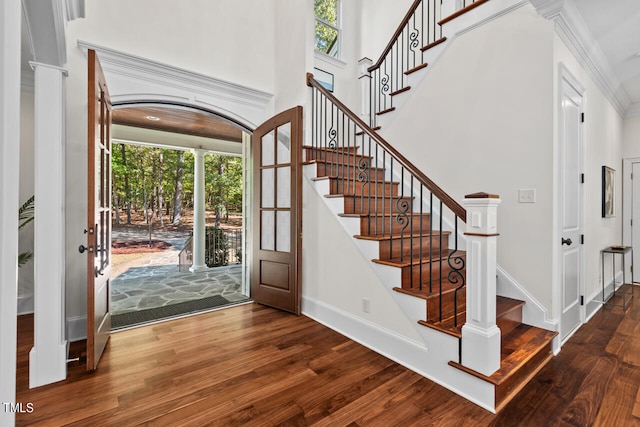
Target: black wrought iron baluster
<point>441,255</point>
<point>403,219</point>
<point>390,213</point>
<point>431,242</point>
<point>420,242</point>
<point>413,41</point>
<point>457,264</point>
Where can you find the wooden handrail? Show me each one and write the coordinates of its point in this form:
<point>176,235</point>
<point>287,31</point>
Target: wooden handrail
<point>455,207</point>
<point>395,36</point>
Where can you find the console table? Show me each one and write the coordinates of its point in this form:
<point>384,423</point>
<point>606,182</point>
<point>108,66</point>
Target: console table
<point>621,295</point>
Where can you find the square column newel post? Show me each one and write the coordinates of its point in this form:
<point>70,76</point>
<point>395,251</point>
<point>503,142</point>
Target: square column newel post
<point>480,334</point>
<point>199,230</point>
<point>10,14</point>
<point>48,357</point>
<point>365,86</point>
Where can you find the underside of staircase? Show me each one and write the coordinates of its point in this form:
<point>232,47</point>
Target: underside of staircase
<point>419,246</point>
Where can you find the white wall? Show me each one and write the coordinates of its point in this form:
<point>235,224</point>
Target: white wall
<point>631,137</point>
<point>230,39</point>
<point>603,146</point>
<point>27,176</point>
<point>481,120</point>
<point>379,20</point>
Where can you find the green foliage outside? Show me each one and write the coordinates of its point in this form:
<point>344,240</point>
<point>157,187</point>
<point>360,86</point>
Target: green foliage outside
<point>326,12</point>
<point>149,179</point>
<point>25,216</point>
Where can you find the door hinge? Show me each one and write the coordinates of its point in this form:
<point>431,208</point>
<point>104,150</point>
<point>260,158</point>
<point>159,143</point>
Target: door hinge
<point>581,178</point>
<point>582,239</point>
<point>582,118</point>
<point>581,299</point>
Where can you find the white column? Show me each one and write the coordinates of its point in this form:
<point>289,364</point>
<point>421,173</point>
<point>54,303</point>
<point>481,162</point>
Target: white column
<point>198,212</point>
<point>365,87</point>
<point>48,357</point>
<point>480,335</point>
<point>10,19</point>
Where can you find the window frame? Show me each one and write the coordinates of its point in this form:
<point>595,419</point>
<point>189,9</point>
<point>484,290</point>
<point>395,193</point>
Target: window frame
<point>337,28</point>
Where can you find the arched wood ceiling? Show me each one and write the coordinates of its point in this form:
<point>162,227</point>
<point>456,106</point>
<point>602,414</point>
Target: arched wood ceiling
<point>179,121</point>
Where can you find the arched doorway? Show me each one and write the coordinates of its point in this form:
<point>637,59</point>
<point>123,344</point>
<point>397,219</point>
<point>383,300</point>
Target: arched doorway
<point>178,241</point>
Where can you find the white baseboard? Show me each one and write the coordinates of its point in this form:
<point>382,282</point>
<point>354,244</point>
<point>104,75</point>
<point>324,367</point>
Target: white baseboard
<point>76,328</point>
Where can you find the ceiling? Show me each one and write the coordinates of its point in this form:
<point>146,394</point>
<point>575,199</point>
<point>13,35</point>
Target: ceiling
<point>615,25</point>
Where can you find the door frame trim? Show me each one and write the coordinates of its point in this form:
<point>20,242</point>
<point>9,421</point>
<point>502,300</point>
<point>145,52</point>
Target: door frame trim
<point>627,204</point>
<point>566,77</point>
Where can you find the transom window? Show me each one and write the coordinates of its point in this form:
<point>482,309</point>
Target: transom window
<point>327,26</point>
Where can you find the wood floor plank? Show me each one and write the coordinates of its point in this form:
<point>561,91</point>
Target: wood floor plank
<point>252,365</point>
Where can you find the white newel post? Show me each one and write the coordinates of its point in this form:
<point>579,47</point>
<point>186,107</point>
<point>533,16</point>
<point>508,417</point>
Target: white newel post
<point>48,357</point>
<point>198,212</point>
<point>365,86</point>
<point>480,335</point>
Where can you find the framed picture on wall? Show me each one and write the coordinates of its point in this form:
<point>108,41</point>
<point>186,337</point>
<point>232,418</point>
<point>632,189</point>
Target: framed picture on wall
<point>608,190</point>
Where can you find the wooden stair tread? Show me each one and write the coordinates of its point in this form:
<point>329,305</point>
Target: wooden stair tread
<point>399,262</point>
<point>433,44</point>
<point>424,293</point>
<point>523,344</point>
<point>385,238</point>
<point>329,149</point>
<point>505,305</point>
<point>414,69</point>
<point>388,110</point>
<point>399,91</point>
<point>461,11</point>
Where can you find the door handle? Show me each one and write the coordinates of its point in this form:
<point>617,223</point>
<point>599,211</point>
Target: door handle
<point>567,242</point>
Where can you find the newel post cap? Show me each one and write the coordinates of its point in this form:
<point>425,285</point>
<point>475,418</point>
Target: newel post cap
<point>481,195</point>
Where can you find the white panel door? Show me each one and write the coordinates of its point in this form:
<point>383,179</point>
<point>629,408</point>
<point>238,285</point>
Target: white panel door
<point>571,204</point>
<point>635,214</point>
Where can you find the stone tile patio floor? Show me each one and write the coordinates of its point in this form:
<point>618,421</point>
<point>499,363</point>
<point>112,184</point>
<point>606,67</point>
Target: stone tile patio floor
<point>159,282</point>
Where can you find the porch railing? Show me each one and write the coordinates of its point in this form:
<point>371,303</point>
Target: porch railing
<point>416,221</point>
<point>419,30</point>
<point>222,247</point>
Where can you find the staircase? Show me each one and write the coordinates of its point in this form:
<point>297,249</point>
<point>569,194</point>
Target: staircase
<point>414,223</point>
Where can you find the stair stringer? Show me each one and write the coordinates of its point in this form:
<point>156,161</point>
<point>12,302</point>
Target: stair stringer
<point>430,358</point>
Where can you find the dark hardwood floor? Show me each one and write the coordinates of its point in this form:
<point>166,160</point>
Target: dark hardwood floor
<point>252,365</point>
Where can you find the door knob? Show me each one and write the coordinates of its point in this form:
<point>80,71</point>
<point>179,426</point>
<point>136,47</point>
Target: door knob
<point>567,242</point>
<point>83,248</point>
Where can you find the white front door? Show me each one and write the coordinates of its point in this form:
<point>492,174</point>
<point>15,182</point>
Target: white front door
<point>571,205</point>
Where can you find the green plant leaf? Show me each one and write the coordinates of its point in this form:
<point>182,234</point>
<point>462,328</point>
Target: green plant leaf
<point>25,213</point>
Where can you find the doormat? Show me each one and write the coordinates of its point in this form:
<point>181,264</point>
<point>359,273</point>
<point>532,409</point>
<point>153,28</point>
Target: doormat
<point>135,318</point>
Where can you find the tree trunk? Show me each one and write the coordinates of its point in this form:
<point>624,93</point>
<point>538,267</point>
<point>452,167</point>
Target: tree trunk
<point>177,194</point>
<point>116,207</point>
<point>127,188</point>
<point>160,189</point>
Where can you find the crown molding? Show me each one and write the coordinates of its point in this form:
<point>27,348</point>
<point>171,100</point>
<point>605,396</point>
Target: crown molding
<point>136,80</point>
<point>574,32</point>
<point>633,110</point>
